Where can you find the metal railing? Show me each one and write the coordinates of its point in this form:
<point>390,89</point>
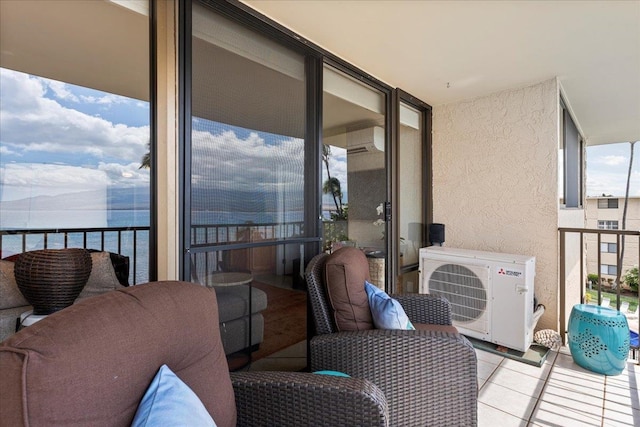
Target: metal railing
<point>564,283</point>
<point>129,241</point>
<point>220,234</point>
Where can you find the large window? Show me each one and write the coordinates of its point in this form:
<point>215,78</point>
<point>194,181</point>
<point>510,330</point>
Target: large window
<point>247,145</point>
<point>75,128</point>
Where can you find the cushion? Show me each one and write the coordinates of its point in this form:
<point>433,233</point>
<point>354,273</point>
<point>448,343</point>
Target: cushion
<point>345,271</point>
<point>103,277</point>
<point>170,402</point>
<point>10,295</point>
<point>387,312</point>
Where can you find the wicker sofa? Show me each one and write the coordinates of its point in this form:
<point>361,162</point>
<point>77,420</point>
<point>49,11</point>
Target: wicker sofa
<point>428,375</point>
<point>91,363</point>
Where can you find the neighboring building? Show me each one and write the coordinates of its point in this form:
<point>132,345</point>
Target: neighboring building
<point>605,213</point>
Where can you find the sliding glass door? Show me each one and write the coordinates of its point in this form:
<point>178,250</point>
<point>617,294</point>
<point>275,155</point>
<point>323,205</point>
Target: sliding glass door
<point>354,172</point>
<point>248,163</point>
<point>412,187</point>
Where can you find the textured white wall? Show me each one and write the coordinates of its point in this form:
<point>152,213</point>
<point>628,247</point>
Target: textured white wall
<point>495,183</point>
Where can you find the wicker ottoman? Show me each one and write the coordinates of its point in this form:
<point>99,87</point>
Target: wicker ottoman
<point>598,338</point>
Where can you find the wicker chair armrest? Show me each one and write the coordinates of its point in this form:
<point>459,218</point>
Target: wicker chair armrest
<point>303,399</point>
<point>425,308</point>
<point>428,377</point>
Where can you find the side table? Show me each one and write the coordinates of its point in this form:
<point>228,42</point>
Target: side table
<point>28,318</point>
<point>598,338</point>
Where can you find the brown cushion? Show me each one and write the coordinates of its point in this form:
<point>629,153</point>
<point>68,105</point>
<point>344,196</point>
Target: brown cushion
<point>345,272</point>
<point>10,295</point>
<point>91,363</point>
<point>103,277</point>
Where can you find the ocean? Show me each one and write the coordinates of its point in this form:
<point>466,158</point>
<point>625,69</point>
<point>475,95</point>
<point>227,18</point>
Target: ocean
<point>11,219</point>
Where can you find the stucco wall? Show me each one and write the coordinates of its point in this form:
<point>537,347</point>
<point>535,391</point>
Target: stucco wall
<point>495,179</point>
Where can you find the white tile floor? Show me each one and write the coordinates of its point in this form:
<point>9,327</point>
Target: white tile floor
<point>560,393</point>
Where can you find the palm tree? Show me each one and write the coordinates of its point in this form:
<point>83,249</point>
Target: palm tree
<point>332,185</point>
<point>145,163</point>
<point>624,216</point>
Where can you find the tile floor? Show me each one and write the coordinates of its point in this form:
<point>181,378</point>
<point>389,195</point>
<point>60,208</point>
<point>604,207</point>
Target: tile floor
<point>560,393</point>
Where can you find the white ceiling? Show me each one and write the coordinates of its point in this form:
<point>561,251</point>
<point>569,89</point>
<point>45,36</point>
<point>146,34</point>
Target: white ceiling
<point>448,51</point>
<point>96,44</point>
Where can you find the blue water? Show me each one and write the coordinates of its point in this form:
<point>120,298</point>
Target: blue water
<point>128,218</point>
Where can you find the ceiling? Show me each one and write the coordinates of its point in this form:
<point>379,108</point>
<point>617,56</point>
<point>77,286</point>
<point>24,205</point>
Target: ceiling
<point>439,51</point>
<point>449,51</point>
<point>97,44</point>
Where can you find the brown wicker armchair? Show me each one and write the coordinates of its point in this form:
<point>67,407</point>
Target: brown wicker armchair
<point>429,377</point>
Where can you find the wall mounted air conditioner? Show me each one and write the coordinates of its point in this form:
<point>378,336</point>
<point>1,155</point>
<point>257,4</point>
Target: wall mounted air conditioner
<point>368,140</point>
<point>491,294</point>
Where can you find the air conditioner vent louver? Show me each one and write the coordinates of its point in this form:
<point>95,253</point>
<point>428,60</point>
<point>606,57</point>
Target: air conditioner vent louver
<point>463,288</point>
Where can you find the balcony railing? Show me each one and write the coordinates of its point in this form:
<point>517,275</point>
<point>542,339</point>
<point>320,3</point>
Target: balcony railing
<point>129,241</point>
<point>632,253</point>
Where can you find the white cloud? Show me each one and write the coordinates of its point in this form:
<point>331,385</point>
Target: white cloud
<point>31,122</point>
<point>22,180</point>
<point>613,160</point>
<point>607,167</point>
<point>226,161</point>
<point>60,90</point>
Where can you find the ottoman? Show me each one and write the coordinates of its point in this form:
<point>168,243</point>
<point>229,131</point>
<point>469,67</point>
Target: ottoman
<point>598,338</point>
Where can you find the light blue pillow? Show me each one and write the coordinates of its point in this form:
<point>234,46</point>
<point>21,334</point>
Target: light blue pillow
<point>387,312</point>
<point>170,402</point>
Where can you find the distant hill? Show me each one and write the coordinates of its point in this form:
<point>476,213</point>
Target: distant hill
<point>138,199</point>
<point>115,198</point>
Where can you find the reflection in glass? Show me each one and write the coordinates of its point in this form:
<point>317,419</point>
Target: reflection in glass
<point>353,173</point>
<point>75,127</point>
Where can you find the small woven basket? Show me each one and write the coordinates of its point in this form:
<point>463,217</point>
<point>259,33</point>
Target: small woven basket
<point>51,279</point>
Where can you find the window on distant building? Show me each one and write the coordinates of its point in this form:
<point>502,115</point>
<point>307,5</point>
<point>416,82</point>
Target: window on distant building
<point>607,225</point>
<point>611,270</point>
<point>609,247</point>
<point>607,203</point>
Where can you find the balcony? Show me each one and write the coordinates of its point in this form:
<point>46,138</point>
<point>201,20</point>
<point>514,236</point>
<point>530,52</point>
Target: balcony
<point>510,393</point>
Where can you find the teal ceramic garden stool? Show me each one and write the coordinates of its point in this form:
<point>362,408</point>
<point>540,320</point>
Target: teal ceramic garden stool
<point>598,338</point>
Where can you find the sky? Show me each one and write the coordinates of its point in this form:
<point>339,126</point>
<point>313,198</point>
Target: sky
<point>56,138</point>
<point>607,167</point>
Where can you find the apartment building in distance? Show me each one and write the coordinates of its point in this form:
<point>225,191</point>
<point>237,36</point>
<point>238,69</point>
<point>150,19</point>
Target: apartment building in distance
<point>605,213</point>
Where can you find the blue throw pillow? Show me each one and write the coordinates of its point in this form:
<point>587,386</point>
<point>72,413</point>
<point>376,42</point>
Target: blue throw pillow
<point>170,402</point>
<point>387,312</point>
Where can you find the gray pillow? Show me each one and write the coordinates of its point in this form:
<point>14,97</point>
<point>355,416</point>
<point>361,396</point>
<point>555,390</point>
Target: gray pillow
<point>10,295</point>
<point>103,277</point>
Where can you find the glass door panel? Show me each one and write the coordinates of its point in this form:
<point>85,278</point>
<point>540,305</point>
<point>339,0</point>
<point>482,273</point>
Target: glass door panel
<point>411,195</point>
<point>354,177</point>
<point>248,153</point>
<point>75,139</point>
